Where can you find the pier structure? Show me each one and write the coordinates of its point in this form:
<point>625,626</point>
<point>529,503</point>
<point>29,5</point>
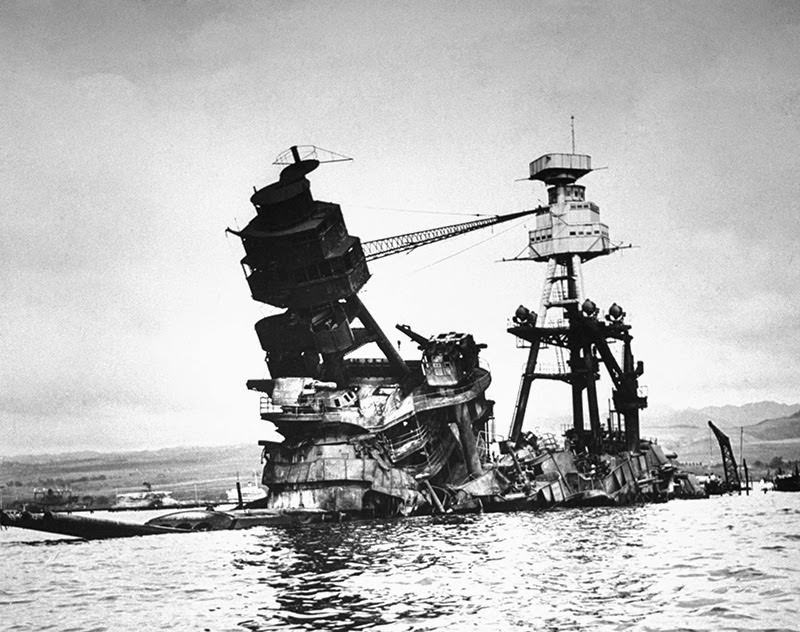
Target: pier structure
<point>568,233</point>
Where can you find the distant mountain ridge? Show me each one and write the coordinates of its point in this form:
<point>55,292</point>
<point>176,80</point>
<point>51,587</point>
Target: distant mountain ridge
<point>209,470</point>
<point>725,416</point>
<point>777,429</point>
<point>770,429</point>
<point>763,429</point>
<point>171,454</point>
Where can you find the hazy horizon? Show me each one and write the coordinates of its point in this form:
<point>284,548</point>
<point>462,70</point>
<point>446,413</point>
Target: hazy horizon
<point>655,417</point>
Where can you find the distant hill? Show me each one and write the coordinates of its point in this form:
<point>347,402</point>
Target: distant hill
<point>724,416</point>
<point>187,471</point>
<point>776,433</point>
<point>777,429</point>
<point>770,429</point>
<point>749,414</point>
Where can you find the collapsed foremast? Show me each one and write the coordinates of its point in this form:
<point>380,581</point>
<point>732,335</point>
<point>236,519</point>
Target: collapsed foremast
<point>360,435</point>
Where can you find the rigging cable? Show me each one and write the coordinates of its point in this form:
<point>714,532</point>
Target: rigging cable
<point>410,210</point>
<point>458,252</point>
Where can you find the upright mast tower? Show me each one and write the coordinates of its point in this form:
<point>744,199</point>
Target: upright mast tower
<point>568,233</point>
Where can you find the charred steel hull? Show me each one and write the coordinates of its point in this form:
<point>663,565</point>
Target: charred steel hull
<point>178,522</point>
<point>80,526</point>
<point>373,454</point>
<point>590,498</point>
<point>528,481</point>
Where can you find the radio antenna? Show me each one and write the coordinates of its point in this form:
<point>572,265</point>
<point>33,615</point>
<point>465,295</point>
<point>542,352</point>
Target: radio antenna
<point>572,126</point>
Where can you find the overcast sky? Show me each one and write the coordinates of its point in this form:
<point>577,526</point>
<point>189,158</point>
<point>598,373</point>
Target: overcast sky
<point>132,134</point>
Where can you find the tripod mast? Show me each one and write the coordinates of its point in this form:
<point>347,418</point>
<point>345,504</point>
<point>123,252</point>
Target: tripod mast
<point>569,233</point>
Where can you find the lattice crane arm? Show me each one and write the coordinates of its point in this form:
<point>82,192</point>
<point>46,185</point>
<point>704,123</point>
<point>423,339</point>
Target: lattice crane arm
<point>378,248</point>
<point>732,481</point>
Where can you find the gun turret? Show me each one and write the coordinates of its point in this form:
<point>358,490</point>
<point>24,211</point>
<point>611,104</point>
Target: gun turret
<point>418,338</point>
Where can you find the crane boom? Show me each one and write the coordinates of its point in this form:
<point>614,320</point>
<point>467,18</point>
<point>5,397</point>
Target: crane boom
<point>378,248</point>
<point>732,481</point>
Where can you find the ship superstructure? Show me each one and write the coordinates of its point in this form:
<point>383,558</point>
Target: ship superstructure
<point>569,232</point>
<point>380,436</point>
<point>360,435</point>
<point>609,459</point>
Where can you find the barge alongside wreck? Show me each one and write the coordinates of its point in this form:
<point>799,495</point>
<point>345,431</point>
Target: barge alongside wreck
<point>383,437</point>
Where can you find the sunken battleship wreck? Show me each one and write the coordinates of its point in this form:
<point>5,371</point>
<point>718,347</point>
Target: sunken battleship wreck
<point>384,436</point>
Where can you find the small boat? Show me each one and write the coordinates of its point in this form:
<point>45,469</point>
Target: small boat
<point>787,482</point>
<point>250,493</point>
<point>145,500</point>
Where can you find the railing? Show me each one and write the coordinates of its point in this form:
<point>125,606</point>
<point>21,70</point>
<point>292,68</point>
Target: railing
<point>547,441</point>
<point>314,409</point>
<point>401,446</point>
<point>550,368</point>
<point>435,456</point>
<point>520,343</point>
<point>266,407</point>
<point>438,398</point>
<point>482,443</point>
<point>409,406</point>
<point>555,323</point>
<point>546,323</point>
<point>479,384</point>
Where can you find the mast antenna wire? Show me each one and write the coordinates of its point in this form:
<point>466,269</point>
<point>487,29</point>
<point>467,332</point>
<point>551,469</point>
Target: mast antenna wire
<point>296,153</point>
<point>482,241</point>
<point>411,210</point>
<point>517,257</point>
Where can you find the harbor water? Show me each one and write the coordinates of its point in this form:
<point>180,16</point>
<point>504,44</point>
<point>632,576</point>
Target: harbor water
<point>726,563</point>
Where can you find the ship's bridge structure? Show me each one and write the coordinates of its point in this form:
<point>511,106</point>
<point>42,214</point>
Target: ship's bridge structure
<point>569,225</point>
<point>568,232</point>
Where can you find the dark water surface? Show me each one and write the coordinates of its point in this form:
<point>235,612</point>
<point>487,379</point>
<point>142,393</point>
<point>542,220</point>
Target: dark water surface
<point>728,563</point>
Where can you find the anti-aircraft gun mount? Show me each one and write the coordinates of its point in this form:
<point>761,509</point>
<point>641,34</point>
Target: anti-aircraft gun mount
<point>447,359</point>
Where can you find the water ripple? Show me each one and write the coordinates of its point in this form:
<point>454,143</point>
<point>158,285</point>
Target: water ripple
<point>721,564</point>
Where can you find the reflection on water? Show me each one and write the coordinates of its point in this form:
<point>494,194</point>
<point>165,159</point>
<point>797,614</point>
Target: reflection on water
<point>726,563</point>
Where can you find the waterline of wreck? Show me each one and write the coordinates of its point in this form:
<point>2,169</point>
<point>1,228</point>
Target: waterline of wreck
<point>726,563</point>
